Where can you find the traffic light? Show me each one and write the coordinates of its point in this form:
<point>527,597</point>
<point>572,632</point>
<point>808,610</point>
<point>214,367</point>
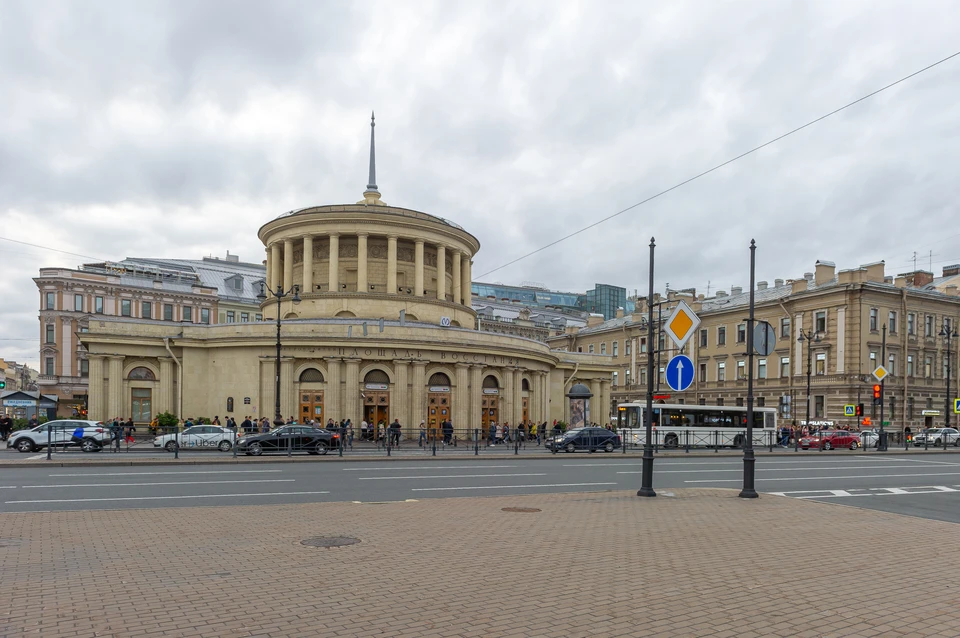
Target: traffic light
<point>3,384</point>
<point>876,394</point>
<point>859,409</point>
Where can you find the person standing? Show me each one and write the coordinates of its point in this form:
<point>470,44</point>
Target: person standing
<point>423,434</point>
<point>116,431</point>
<point>447,426</point>
<point>395,429</point>
<point>6,426</point>
<point>131,428</point>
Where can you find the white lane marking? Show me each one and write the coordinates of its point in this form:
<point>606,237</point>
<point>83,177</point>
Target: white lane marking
<point>175,473</point>
<point>426,467</point>
<point>824,478</point>
<point>503,487</point>
<point>873,491</point>
<point>929,461</point>
<point>37,457</point>
<point>445,476</point>
<point>8,487</point>
<point>785,469</point>
<point>164,483</point>
<point>157,498</point>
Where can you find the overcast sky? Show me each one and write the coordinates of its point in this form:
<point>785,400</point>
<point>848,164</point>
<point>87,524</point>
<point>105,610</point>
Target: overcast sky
<point>176,129</point>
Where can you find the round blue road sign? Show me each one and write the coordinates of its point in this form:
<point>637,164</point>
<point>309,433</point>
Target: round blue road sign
<point>679,373</point>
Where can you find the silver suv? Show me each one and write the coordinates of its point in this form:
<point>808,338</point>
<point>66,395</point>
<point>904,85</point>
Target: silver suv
<point>95,436</point>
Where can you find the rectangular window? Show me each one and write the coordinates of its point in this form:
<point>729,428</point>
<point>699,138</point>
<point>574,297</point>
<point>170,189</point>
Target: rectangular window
<point>893,406</point>
<point>188,313</point>
<point>785,327</point>
<point>722,336</point>
<point>616,376</point>
<point>742,333</point>
<point>946,362</point>
<point>784,367</point>
<point>702,401</point>
<point>721,371</point>
<point>784,405</point>
<point>78,303</point>
<point>818,406</point>
<point>84,368</point>
<point>909,365</point>
<point>124,307</point>
<point>50,301</point>
<point>820,324</point>
<point>762,369</point>
<point>739,402</point>
<point>703,337</point>
<point>761,402</point>
<point>168,312</point>
<point>928,326</point>
<point>589,348</point>
<point>603,347</point>
<point>910,407</point>
<point>703,373</point>
<point>231,317</point>
<point>911,324</point>
<point>626,343</point>
<point>245,317</point>
<point>719,401</point>
<point>892,364</point>
<point>662,341</point>
<point>643,345</point>
<point>48,363</point>
<point>892,322</point>
<point>927,367</point>
<point>873,360</point>
<point>874,319</point>
<point>98,305</point>
<point>661,378</point>
<point>205,315</point>
<point>821,363</point>
<point>643,376</point>
<point>259,317</point>
<point>50,336</point>
<point>929,403</point>
<point>741,370</point>
<point>146,310</point>
<point>140,405</point>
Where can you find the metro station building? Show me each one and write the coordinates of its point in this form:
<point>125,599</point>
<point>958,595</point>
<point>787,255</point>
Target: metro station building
<point>383,329</point>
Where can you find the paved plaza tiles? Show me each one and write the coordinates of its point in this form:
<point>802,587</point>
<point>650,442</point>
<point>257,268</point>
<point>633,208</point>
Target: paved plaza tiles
<point>688,563</point>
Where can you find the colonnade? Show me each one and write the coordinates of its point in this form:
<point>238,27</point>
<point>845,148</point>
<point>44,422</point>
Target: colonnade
<point>280,261</point>
<point>107,388</point>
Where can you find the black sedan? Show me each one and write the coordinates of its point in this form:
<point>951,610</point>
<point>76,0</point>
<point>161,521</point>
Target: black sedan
<point>295,438</point>
<point>590,439</point>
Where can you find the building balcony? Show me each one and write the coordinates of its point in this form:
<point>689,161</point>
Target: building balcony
<point>49,380</point>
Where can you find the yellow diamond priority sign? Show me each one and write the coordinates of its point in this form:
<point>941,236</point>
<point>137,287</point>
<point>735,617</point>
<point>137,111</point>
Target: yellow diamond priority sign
<point>681,324</point>
<point>880,373</point>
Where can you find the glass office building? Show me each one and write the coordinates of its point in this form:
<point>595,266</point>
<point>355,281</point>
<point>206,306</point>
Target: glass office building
<point>604,300</point>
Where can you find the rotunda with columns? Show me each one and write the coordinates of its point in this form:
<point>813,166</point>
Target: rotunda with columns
<point>380,328</point>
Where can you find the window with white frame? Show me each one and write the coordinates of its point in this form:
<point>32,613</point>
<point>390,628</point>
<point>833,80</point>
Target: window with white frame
<point>911,324</point>
<point>820,322</point>
<point>78,303</point>
<point>784,367</point>
<point>703,337</point>
<point>590,348</point>
<point>616,348</point>
<point>603,347</point>
<point>627,347</point>
<point>721,371</point>
<point>741,333</point>
<point>892,322</point>
<point>928,367</point>
<point>721,335</point>
<point>762,369</point>
<point>892,364</point>
<point>928,326</point>
<point>784,327</point>
<point>741,370</point>
<point>909,365</point>
<point>874,319</point>
<point>821,363</point>
<point>703,373</point>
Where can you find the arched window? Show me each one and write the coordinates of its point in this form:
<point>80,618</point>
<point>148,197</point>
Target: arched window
<point>345,313</point>
<point>142,374</point>
<point>376,376</point>
<point>525,385</point>
<point>311,375</point>
<point>490,381</point>
<point>439,378</point>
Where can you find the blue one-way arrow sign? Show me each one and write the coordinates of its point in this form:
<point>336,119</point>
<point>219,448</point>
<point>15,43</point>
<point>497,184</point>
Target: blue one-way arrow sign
<point>679,373</point>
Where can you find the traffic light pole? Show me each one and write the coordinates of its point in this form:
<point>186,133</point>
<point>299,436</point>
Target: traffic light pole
<point>882,443</point>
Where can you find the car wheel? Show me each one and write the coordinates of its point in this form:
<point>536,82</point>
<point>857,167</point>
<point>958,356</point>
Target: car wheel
<point>671,441</point>
<point>956,441</point>
<point>738,441</point>
<point>89,445</point>
<point>570,447</point>
<point>25,445</point>
<point>225,446</point>
<point>170,446</point>
<point>854,445</point>
<point>608,447</point>
<point>938,443</point>
<point>828,446</point>
<point>255,449</point>
<point>321,448</point>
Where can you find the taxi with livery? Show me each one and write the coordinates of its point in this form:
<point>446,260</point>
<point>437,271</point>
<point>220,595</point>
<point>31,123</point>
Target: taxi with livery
<point>198,437</point>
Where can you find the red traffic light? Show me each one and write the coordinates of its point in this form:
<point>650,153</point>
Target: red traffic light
<point>876,391</point>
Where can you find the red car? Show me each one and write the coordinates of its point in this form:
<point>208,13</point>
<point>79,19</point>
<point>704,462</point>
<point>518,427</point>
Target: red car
<point>832,439</point>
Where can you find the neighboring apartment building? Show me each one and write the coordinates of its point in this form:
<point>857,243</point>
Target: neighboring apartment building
<point>845,312</point>
<point>139,290</point>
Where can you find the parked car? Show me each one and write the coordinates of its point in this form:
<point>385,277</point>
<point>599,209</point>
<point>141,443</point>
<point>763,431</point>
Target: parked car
<point>935,436</point>
<point>831,439</point>
<point>297,438</point>
<point>869,438</point>
<point>95,436</point>
<point>590,439</point>
<point>202,437</point>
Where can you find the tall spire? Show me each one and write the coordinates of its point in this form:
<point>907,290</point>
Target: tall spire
<point>372,180</point>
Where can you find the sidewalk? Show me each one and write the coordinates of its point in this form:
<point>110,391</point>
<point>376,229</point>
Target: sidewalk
<point>694,563</point>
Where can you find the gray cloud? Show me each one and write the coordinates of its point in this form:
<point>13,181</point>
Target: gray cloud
<point>177,129</point>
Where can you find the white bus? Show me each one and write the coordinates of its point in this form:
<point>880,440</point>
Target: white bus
<point>676,425</point>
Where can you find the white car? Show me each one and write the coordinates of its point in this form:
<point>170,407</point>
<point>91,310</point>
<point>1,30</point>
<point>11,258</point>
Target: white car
<point>869,438</point>
<point>936,436</point>
<point>198,437</point>
<point>95,436</point>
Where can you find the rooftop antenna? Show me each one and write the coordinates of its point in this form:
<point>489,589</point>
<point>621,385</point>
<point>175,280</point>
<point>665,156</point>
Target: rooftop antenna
<point>708,287</point>
<point>914,261</point>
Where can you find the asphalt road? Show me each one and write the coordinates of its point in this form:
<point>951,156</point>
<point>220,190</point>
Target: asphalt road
<point>928,488</point>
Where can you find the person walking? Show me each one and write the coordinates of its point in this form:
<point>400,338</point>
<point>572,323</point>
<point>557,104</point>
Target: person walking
<point>265,425</point>
<point>423,434</point>
<point>447,427</point>
<point>116,431</point>
<point>395,430</point>
<point>6,426</point>
<point>499,435</point>
<point>131,428</point>
<point>363,430</point>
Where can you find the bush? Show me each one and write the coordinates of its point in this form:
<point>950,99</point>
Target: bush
<point>167,420</point>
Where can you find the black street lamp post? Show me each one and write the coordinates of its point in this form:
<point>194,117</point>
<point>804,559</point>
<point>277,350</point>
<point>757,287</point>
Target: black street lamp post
<point>279,294</point>
<point>948,332</point>
<point>810,339</point>
<point>646,473</point>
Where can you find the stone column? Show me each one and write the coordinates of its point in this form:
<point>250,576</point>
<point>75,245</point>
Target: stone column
<point>535,390</point>
<point>267,388</point>
<point>334,274</point>
<point>418,268</point>
<point>506,393</point>
<point>441,273</point>
<point>604,407</point>
<point>418,407</point>
<point>307,285</point>
<point>461,405</point>
<point>269,275</point>
<point>391,264</point>
<point>287,264</point>
<point>115,380</point>
<point>517,395</point>
<point>362,285</point>
<point>400,397</point>
<point>456,277</point>
<point>332,405</point>
<point>465,276</point>
<point>276,267</point>
<point>96,404</point>
<point>165,398</point>
<point>594,400</point>
<point>476,392</point>
<point>352,408</point>
<point>288,393</point>
<point>545,398</point>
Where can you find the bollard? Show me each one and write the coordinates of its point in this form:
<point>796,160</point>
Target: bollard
<point>686,446</point>
<point>176,443</point>
<point>388,437</point>
<point>716,441</point>
<point>770,436</point>
<point>516,447</point>
<point>434,443</point>
<point>289,446</point>
<point>926,442</point>
<point>343,433</point>
<point>235,439</point>
<point>476,442</point>
<point>906,443</point>
<point>944,440</point>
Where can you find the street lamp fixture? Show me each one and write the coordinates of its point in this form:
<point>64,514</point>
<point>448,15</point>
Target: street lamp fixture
<point>948,332</point>
<point>810,339</point>
<point>279,294</point>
